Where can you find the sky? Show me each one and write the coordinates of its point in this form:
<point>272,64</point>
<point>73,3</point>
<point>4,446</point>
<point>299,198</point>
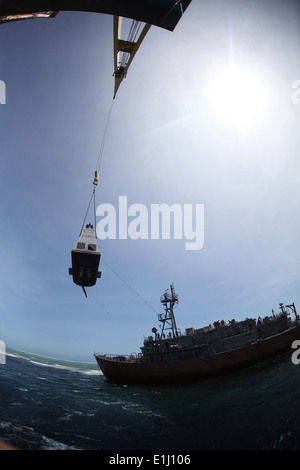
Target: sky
<point>207,115</point>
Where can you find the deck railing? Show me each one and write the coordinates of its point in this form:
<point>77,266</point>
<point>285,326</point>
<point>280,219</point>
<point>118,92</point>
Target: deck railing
<point>134,357</point>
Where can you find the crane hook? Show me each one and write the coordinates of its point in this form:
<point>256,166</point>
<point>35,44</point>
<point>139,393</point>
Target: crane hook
<point>96,178</point>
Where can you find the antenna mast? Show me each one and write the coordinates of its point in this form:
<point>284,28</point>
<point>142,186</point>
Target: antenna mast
<point>169,299</point>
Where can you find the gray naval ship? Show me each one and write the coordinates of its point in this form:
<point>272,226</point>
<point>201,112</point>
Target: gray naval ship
<point>169,356</point>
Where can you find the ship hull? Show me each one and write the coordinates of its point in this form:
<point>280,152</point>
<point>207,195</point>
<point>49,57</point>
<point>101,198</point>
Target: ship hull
<point>195,368</point>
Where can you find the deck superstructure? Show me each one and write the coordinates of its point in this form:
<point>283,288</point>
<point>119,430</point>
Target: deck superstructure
<point>169,355</point>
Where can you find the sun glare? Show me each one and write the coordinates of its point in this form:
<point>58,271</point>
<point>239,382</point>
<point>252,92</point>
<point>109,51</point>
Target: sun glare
<point>237,96</point>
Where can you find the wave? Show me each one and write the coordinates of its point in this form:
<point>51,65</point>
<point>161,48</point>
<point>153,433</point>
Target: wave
<point>69,368</point>
<point>28,438</point>
<point>85,368</point>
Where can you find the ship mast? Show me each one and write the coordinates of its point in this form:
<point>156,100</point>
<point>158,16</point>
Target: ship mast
<point>168,299</point>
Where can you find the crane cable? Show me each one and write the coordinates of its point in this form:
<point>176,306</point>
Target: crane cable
<point>102,147</point>
<point>132,37</point>
<point>96,175</point>
<point>88,208</point>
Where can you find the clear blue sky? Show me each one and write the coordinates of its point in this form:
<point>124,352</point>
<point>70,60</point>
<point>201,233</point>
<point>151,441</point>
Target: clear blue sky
<point>171,139</point>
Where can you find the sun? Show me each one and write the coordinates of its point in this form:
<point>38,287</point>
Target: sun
<point>237,96</point>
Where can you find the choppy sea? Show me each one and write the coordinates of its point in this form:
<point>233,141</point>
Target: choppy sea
<point>52,404</point>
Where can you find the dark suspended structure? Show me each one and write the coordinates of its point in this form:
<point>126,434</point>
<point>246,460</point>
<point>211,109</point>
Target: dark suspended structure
<point>85,255</point>
<point>85,259</point>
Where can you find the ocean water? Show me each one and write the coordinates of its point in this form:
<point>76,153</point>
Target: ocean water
<point>49,404</point>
